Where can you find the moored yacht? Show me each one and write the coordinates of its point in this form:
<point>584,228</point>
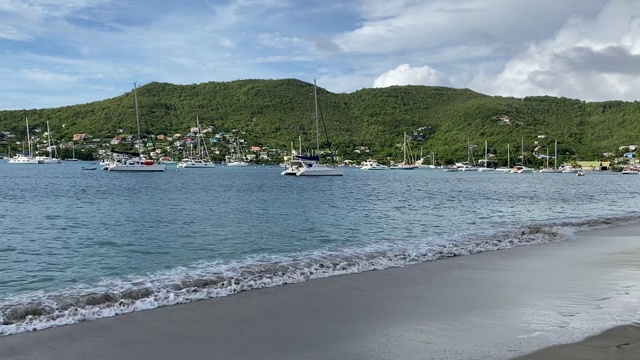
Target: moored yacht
<point>372,164</point>
<point>131,161</point>
<point>195,162</point>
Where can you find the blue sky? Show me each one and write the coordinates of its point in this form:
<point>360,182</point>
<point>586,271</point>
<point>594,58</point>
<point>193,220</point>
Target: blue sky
<point>66,52</point>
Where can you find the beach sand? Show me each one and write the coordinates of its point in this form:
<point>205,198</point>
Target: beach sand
<point>495,305</point>
<point>622,342</point>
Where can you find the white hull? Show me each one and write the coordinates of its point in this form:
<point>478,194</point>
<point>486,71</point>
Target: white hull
<point>48,160</point>
<point>196,165</point>
<point>320,170</point>
<point>373,165</point>
<point>403,167</point>
<point>503,170</point>
<point>137,167</point>
<point>237,164</point>
<point>22,160</point>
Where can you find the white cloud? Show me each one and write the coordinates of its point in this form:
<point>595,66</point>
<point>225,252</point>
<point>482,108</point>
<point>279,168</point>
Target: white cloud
<point>279,41</point>
<point>47,76</point>
<point>407,75</point>
<point>589,58</point>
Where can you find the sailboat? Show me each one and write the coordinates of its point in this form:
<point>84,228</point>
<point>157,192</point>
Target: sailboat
<point>485,168</point>
<point>133,161</point>
<point>508,168</point>
<point>201,159</point>
<point>49,159</point>
<point>470,164</point>
<point>521,169</point>
<point>548,169</point>
<point>421,165</point>
<point>237,158</point>
<point>301,165</point>
<point>404,165</point>
<point>73,155</point>
<point>22,158</point>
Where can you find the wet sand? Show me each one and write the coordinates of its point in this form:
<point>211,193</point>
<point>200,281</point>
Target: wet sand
<point>495,305</point>
<point>622,342</point>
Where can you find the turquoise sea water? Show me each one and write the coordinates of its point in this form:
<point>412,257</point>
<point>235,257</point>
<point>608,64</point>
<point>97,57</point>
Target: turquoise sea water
<point>77,245</point>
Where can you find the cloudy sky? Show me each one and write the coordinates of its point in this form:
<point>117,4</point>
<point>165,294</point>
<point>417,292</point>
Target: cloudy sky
<point>65,52</point>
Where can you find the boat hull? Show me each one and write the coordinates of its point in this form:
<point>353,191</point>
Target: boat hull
<point>137,167</point>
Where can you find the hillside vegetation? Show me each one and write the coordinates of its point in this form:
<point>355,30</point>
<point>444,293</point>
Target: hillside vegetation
<point>275,113</point>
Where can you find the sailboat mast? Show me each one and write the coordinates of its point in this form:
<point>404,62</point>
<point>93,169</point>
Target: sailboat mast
<point>555,156</point>
<point>485,154</point>
<point>522,150</point>
<point>135,99</point>
<point>404,147</point>
<point>315,96</point>
<point>508,156</point>
<point>28,136</point>
<point>200,154</point>
<point>547,158</point>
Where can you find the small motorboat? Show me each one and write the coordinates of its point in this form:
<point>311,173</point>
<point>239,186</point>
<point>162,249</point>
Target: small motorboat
<point>580,173</point>
<point>89,167</point>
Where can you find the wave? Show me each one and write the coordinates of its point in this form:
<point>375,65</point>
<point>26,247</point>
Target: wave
<point>40,310</point>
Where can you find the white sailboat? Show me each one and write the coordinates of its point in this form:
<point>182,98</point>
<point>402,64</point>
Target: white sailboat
<point>508,168</point>
<point>24,158</point>
<point>405,164</point>
<point>133,161</point>
<point>421,165</point>
<point>485,168</point>
<point>49,159</point>
<point>301,165</point>
<point>237,160</point>
<point>73,156</point>
<point>200,160</point>
<point>548,169</point>
<point>521,169</point>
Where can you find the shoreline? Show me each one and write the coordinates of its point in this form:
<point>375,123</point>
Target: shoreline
<point>498,305</point>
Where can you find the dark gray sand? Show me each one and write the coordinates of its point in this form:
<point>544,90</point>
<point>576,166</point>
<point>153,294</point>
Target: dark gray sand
<point>495,305</point>
<point>622,342</point>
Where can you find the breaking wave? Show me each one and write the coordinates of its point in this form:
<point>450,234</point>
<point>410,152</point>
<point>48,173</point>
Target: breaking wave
<point>41,310</point>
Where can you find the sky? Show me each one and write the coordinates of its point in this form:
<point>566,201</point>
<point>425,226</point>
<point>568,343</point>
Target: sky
<point>57,53</point>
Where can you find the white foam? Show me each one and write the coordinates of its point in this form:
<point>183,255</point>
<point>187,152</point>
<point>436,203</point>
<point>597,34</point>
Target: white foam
<point>205,280</point>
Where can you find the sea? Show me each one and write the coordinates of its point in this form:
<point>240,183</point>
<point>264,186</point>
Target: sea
<point>78,244</point>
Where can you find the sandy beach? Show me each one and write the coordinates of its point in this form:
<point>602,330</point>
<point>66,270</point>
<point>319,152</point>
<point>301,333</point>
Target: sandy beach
<point>495,305</point>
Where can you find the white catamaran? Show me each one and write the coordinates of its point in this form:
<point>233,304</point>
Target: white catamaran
<point>301,165</point>
<point>199,160</point>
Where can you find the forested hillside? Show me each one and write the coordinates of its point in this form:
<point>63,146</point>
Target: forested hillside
<point>275,113</point>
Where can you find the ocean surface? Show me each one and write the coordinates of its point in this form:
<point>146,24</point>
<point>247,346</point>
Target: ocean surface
<point>78,245</point>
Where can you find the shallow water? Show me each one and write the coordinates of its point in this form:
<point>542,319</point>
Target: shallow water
<point>77,245</point>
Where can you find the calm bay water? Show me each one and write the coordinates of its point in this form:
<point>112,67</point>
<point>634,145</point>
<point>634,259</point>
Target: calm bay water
<point>78,245</point>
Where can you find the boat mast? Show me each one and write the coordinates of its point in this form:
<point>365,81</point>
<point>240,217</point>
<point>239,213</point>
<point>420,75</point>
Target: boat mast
<point>404,147</point>
<point>315,96</point>
<point>508,157</point>
<point>135,99</point>
<point>28,137</point>
<point>522,150</point>
<point>485,154</point>
<point>547,158</point>
<point>555,157</point>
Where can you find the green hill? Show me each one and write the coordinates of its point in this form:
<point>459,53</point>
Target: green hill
<point>275,113</point>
